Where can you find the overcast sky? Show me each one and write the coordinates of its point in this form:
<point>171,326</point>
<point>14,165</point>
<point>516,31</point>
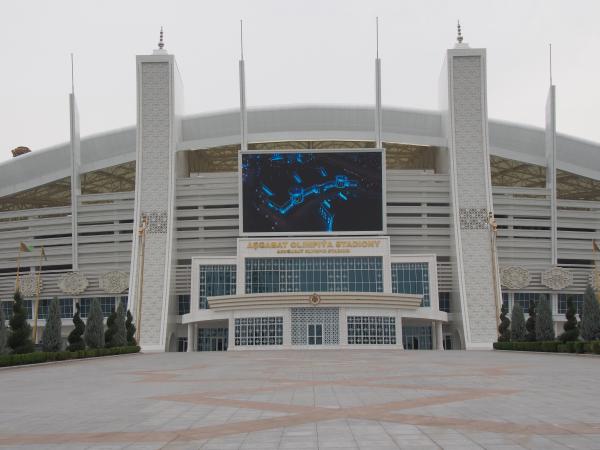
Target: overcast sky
<point>296,51</point>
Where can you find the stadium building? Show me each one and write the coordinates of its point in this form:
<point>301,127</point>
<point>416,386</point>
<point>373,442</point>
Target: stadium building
<point>305,226</point>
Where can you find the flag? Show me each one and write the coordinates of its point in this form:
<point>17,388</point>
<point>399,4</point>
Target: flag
<point>595,245</point>
<point>43,254</point>
<point>23,247</point>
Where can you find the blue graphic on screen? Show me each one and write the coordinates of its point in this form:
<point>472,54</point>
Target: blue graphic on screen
<point>312,192</point>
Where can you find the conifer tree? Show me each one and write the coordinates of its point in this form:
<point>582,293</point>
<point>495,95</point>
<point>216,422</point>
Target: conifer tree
<point>590,317</point>
<point>20,331</point>
<point>75,338</point>
<point>94,330</point>
<point>119,336</point>
<point>530,324</point>
<point>3,334</point>
<point>517,328</point>
<point>51,340</point>
<point>544,323</point>
<point>110,329</point>
<point>571,327</point>
<point>130,329</point>
<point>503,328</point>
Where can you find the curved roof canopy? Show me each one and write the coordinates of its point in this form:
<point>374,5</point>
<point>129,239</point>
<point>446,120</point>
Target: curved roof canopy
<point>512,141</point>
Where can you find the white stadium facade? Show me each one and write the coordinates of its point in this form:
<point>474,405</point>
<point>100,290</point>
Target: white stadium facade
<point>305,226</point>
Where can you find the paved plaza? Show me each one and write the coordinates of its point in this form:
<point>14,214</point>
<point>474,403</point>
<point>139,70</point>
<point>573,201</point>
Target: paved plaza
<point>329,399</point>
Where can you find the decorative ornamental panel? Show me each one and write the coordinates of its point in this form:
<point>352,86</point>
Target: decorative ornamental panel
<point>473,218</point>
<point>114,282</point>
<point>557,278</point>
<point>73,283</point>
<point>27,285</point>
<point>157,222</point>
<point>514,277</point>
<point>328,317</point>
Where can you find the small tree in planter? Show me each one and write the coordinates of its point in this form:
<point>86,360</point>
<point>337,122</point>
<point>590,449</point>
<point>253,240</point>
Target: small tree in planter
<point>20,336</point>
<point>544,323</point>
<point>571,328</point>
<point>110,329</point>
<point>517,329</point>
<point>94,330</point>
<point>503,328</point>
<point>51,340</point>
<point>75,338</point>
<point>119,336</point>
<point>590,317</point>
<point>3,334</point>
<point>130,329</point>
<point>530,324</point>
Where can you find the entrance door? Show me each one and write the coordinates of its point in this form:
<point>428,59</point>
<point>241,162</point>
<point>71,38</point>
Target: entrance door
<point>315,334</point>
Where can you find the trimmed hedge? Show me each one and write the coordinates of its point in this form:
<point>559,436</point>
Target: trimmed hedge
<point>41,357</point>
<point>551,346</point>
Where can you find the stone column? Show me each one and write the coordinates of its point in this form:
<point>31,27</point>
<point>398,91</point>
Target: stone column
<point>464,104</point>
<point>439,335</point>
<point>158,130</point>
<point>190,337</point>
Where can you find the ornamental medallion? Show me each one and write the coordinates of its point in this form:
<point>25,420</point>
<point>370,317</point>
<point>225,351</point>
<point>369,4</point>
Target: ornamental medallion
<point>314,299</point>
<point>557,278</point>
<point>27,285</point>
<point>73,283</point>
<point>514,277</point>
<point>114,282</point>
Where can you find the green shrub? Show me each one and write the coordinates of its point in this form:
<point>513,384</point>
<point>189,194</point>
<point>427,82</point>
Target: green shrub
<point>544,323</point>
<point>3,335</point>
<point>595,347</point>
<point>20,330</point>
<point>130,327</point>
<point>75,338</point>
<point>563,348</point>
<point>94,330</point>
<point>590,316</point>
<point>41,357</point>
<point>51,340</point>
<point>571,326</point>
<point>517,328</point>
<point>503,328</point>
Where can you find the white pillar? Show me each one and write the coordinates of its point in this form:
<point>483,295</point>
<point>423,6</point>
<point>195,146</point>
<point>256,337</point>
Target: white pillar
<point>190,337</point>
<point>463,93</point>
<point>158,130</point>
<point>439,335</point>
<point>551,169</point>
<point>343,324</point>
<point>399,342</point>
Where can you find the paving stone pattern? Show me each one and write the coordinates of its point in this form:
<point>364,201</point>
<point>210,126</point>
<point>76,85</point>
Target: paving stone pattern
<point>329,399</point>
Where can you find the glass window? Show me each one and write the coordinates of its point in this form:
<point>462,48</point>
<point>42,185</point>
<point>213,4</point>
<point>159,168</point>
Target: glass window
<point>259,331</point>
<point>183,303</point>
<point>108,305</point>
<point>216,280</point>
<point>65,307</point>
<point>416,338</point>
<point>444,301</point>
<point>411,278</point>
<point>84,306</point>
<point>43,306</point>
<point>371,330</point>
<point>563,300</point>
<point>212,339</point>
<point>319,274</point>
<point>182,344</point>
<point>7,308</point>
<point>525,300</point>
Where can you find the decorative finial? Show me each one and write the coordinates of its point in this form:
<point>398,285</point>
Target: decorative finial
<point>161,43</point>
<point>459,37</point>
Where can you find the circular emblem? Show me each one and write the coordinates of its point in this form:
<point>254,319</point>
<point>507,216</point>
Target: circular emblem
<point>73,283</point>
<point>314,299</point>
<point>28,285</point>
<point>114,282</point>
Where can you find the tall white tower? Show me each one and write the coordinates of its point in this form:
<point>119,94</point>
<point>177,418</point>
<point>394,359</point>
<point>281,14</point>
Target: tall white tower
<point>159,91</point>
<point>463,96</point>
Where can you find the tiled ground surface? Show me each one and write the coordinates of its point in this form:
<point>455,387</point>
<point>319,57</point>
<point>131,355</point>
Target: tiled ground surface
<point>345,399</point>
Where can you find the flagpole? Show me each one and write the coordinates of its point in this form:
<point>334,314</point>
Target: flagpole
<point>37,296</point>
<point>17,281</point>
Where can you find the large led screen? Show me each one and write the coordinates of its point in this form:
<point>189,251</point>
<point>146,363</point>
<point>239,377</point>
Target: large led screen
<point>312,192</point>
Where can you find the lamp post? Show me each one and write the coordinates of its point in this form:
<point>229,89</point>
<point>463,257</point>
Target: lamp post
<point>493,231</point>
<point>37,295</point>
<point>140,285</point>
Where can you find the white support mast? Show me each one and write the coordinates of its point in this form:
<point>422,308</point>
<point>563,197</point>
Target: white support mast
<point>243,113</point>
<point>378,116</point>
<point>551,163</point>
<point>75,169</point>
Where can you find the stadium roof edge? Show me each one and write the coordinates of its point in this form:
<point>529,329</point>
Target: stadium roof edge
<point>295,122</point>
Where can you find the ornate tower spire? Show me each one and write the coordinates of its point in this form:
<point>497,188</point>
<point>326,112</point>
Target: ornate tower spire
<point>459,37</point>
<point>161,43</point>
